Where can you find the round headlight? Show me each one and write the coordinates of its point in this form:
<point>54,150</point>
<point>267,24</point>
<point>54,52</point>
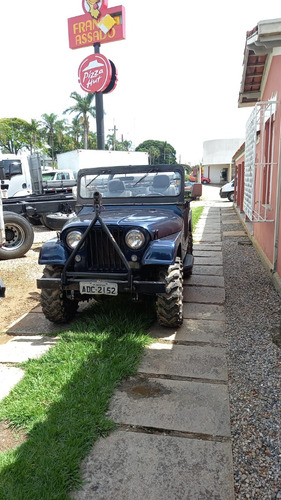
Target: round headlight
<point>73,238</point>
<point>135,239</point>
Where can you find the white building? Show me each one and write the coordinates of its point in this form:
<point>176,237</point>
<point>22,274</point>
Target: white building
<point>217,159</point>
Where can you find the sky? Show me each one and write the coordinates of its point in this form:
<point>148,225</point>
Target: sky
<point>179,68</point>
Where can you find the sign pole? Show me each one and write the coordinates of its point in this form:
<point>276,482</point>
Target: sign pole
<point>99,111</point>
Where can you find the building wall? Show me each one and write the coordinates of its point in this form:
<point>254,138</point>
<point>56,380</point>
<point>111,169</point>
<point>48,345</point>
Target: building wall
<point>217,157</point>
<point>265,232</point>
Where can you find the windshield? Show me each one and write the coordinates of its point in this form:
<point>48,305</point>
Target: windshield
<point>141,184</point>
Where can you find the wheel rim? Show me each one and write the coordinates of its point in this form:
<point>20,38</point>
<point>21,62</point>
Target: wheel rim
<point>15,236</point>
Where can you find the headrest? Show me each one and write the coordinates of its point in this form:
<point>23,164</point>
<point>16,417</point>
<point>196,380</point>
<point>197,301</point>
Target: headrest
<point>116,186</point>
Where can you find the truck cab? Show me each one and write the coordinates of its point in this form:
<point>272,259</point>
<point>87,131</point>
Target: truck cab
<point>14,176</point>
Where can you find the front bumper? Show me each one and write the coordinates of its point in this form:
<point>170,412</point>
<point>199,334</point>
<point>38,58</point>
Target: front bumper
<point>124,286</point>
<point>223,194</point>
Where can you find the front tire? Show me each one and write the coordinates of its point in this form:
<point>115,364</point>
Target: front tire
<point>56,306</point>
<point>231,196</point>
<point>169,305</point>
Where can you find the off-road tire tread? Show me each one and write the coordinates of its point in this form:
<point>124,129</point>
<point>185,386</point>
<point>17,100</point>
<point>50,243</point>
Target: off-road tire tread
<point>56,307</point>
<point>169,305</point>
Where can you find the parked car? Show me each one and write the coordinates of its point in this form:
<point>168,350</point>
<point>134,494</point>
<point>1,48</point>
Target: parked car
<point>227,190</point>
<point>188,185</point>
<point>135,241</point>
<point>204,180</point>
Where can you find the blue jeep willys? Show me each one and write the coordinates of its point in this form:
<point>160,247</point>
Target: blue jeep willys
<point>132,234</point>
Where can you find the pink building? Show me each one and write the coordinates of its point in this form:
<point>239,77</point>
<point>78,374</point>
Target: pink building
<point>258,160</point>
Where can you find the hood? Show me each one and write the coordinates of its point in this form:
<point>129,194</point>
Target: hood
<point>165,221</point>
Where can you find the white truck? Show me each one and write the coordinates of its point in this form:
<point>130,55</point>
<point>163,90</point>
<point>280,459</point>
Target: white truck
<point>58,181</point>
<point>15,178</point>
<point>89,158</point>
<point>227,190</point>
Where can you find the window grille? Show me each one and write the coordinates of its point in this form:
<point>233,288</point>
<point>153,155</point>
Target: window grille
<point>260,162</point>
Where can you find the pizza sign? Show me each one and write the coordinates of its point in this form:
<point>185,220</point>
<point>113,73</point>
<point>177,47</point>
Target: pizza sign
<point>95,73</point>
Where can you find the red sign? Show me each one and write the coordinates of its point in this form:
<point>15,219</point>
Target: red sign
<point>95,73</point>
<point>94,8</point>
<point>83,31</point>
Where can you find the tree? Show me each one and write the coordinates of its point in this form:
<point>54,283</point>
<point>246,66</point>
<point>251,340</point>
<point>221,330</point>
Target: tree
<point>75,131</point>
<point>160,152</point>
<point>115,145</point>
<point>53,131</point>
<point>34,137</point>
<point>83,108</point>
<point>14,135</point>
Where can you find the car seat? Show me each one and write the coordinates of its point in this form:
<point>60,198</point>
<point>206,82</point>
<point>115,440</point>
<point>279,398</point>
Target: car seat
<point>116,188</point>
<point>161,184</point>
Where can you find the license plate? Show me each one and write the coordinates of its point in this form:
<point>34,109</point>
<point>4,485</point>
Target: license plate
<point>98,288</point>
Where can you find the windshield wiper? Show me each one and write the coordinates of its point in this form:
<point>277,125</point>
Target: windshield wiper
<point>145,175</point>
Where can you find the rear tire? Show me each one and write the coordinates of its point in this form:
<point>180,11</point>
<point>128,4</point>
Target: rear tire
<point>19,236</point>
<point>55,304</point>
<point>169,305</point>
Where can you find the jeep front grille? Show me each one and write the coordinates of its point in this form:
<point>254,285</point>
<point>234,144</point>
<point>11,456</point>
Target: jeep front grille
<point>101,252</point>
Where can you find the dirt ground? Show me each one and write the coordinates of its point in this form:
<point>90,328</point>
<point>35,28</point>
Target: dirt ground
<point>19,277</point>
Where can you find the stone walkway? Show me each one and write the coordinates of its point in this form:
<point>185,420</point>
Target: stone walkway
<point>173,437</point>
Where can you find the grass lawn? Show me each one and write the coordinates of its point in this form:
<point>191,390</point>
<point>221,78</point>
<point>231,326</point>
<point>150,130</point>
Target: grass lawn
<point>62,400</point>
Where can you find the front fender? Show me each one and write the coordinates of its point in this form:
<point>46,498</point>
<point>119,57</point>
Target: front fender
<point>53,253</point>
<point>162,252</point>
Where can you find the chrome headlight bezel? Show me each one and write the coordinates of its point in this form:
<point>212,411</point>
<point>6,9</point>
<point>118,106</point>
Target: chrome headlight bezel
<point>72,238</point>
<point>135,239</point>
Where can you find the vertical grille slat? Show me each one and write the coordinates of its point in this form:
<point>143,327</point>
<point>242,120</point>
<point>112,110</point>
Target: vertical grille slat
<point>102,254</point>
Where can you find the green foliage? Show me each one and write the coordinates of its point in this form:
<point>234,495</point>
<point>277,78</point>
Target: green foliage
<point>196,214</point>
<point>83,109</point>
<point>160,152</point>
<point>63,399</point>
<point>14,135</point>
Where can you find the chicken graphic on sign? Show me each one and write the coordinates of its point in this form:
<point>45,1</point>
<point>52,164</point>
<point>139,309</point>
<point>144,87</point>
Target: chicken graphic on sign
<point>95,8</point>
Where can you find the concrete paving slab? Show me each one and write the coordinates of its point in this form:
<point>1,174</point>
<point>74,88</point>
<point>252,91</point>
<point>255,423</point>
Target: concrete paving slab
<point>193,330</point>
<point>22,348</point>
<point>215,237</point>
<point>9,377</point>
<point>184,406</point>
<point>228,221</point>
<point>34,323</point>
<point>211,260</point>
<point>197,252</point>
<point>203,311</point>
<point>164,467</point>
<point>204,294</point>
<point>207,270</point>
<point>207,228</point>
<point>231,234</point>
<point>192,361</point>
<point>209,247</point>
<point>198,280</point>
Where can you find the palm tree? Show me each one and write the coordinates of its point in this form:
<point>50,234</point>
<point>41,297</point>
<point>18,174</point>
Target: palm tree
<point>83,108</point>
<point>53,130</point>
<point>34,136</point>
<point>75,130</point>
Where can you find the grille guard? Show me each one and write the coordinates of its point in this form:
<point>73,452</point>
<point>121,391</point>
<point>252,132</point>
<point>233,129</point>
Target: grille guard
<point>126,277</point>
